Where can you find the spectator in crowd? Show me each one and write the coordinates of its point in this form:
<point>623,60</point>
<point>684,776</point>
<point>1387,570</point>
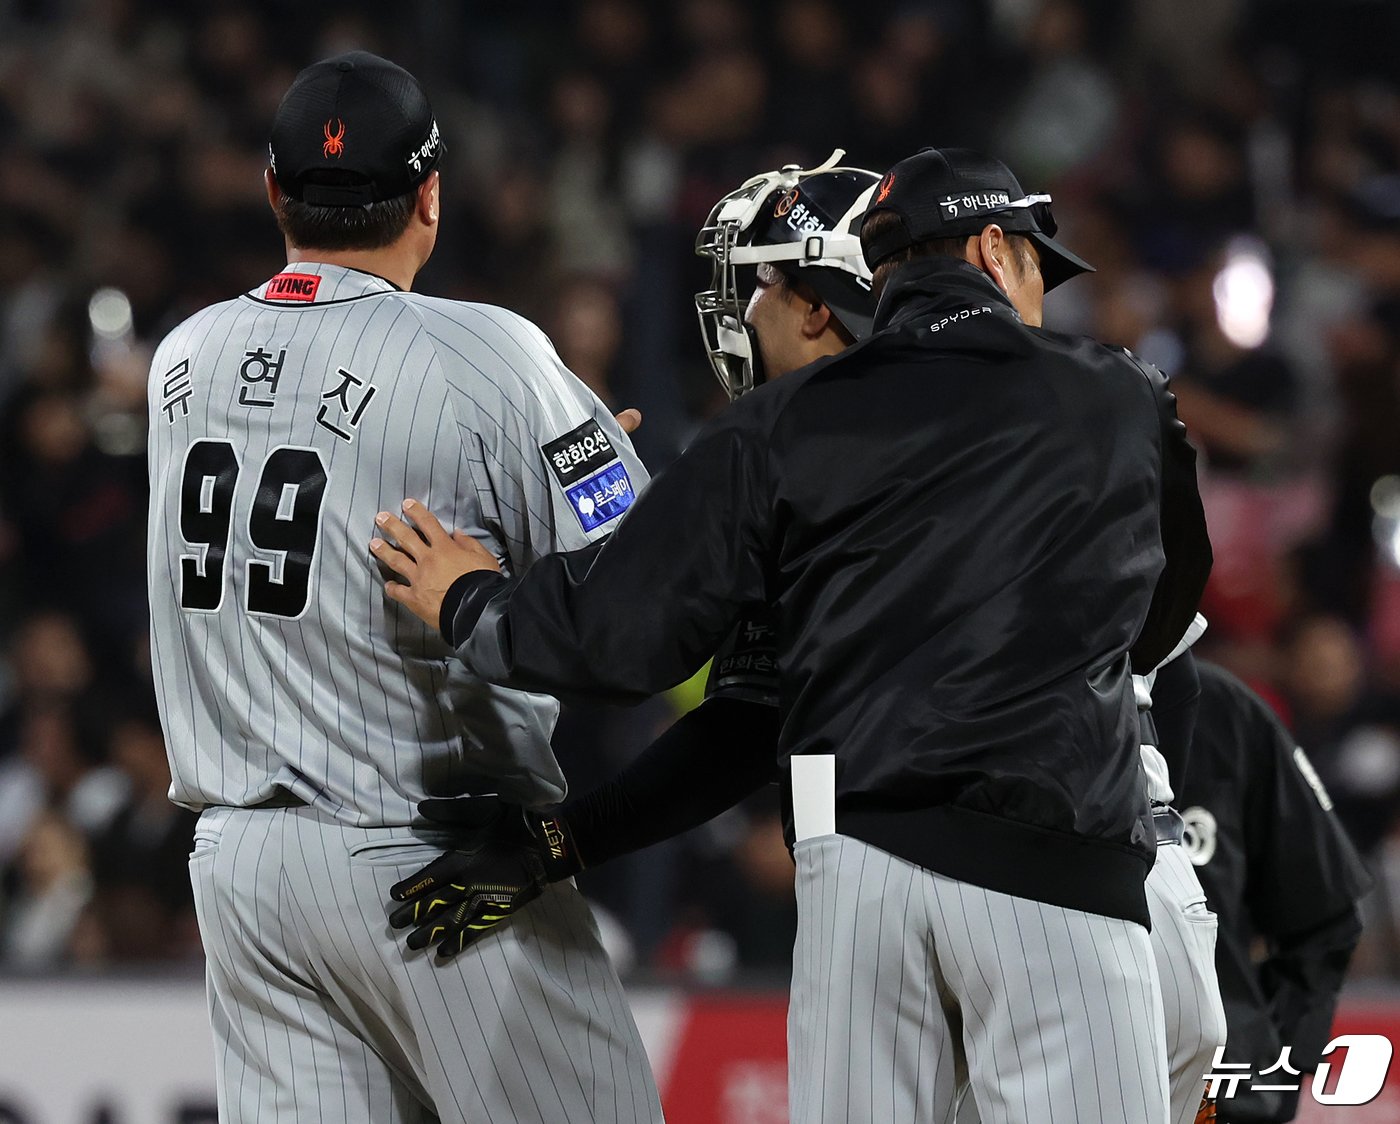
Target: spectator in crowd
<point>52,886</point>
<point>746,891</point>
<point>55,769</point>
<point>143,899</point>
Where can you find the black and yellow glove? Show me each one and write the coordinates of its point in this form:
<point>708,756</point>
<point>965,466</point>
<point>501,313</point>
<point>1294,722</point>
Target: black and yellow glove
<point>503,859</point>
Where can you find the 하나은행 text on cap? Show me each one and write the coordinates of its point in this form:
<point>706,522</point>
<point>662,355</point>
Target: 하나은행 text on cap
<point>955,192</point>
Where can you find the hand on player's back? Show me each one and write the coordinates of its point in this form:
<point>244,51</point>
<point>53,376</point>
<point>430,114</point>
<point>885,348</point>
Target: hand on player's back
<point>502,859</point>
<point>427,558</point>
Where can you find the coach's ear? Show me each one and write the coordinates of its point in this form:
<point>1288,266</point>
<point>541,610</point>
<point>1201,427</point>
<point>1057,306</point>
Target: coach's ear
<point>274,189</point>
<point>816,319</point>
<point>428,200</point>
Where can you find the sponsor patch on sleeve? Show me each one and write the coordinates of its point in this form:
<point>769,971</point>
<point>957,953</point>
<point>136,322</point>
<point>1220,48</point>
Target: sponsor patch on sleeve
<point>579,453</point>
<point>602,497</point>
<point>595,480</point>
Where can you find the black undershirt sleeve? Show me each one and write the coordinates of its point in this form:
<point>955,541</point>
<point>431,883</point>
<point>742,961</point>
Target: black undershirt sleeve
<point>709,760</point>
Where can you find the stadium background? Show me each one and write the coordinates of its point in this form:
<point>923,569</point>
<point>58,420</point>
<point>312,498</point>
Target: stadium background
<point>1231,166</point>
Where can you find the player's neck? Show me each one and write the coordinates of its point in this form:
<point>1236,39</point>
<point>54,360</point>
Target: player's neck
<point>397,264</point>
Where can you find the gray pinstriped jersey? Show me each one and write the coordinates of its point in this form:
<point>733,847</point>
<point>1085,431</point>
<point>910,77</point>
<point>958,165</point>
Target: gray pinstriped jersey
<point>280,423</point>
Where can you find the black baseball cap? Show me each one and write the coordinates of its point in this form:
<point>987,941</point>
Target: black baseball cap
<point>353,130</point>
<point>955,192</point>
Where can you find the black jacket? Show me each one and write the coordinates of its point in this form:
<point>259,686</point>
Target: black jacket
<point>959,525</point>
<point>1275,864</point>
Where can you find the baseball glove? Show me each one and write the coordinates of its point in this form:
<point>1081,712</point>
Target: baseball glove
<point>503,857</point>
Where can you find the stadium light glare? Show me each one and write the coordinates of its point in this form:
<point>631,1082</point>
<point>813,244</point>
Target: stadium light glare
<point>1244,293</point>
<point>109,313</point>
<point>1385,503</point>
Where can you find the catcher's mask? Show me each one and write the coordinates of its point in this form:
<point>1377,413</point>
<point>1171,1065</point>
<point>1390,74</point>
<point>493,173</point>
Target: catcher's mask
<point>807,224</point>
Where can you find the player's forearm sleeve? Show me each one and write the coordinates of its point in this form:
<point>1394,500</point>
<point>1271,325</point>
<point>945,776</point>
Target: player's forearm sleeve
<point>1185,540</point>
<point>1302,980</point>
<point>465,601</point>
<point>467,597</point>
<point>645,610</point>
<point>708,761</point>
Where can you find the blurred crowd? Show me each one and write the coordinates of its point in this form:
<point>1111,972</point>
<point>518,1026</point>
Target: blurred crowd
<point>1231,166</point>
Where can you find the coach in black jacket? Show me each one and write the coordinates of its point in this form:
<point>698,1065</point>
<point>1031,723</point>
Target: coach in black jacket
<point>964,524</point>
<point>1279,869</point>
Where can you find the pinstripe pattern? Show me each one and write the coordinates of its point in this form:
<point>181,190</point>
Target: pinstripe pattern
<point>531,1025</point>
<point>1183,941</point>
<point>318,1011</point>
<point>909,987</point>
<point>356,706</point>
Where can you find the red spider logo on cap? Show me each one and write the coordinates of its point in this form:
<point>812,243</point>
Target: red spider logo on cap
<point>335,141</point>
<point>885,185</point>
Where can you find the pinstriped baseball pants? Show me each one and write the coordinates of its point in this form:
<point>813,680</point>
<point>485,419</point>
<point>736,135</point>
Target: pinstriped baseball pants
<point>1183,941</point>
<point>908,987</point>
<point>320,1013</point>
<point>1183,944</point>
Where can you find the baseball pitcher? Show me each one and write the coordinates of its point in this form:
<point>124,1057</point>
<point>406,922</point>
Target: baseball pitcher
<point>306,714</point>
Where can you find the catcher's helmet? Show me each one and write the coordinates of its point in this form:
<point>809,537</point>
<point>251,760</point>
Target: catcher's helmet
<point>805,223</point>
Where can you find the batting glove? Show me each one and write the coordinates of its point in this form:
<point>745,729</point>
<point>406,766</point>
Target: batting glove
<point>503,859</point>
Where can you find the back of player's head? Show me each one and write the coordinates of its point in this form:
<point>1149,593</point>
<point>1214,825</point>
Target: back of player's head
<point>806,225</point>
<point>352,139</point>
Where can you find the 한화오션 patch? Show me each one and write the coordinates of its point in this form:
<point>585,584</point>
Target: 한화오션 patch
<point>579,453</point>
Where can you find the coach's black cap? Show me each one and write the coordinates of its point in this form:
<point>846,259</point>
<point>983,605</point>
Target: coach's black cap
<point>955,192</point>
<point>353,130</point>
